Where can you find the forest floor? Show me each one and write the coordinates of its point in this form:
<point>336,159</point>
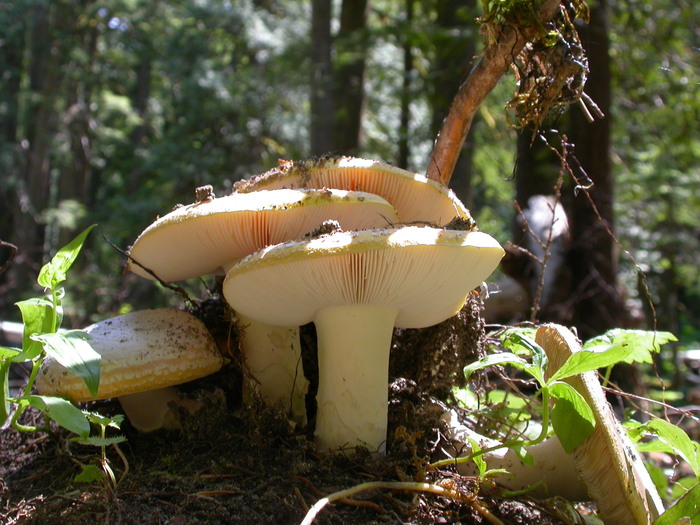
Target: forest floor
<point>231,464</point>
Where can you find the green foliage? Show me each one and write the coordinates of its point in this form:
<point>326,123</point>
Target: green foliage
<point>42,319</point>
<point>571,417</point>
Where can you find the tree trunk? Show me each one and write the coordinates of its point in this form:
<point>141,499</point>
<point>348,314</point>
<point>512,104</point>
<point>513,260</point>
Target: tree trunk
<point>321,126</point>
<point>349,93</point>
<point>593,258</point>
<point>405,116</point>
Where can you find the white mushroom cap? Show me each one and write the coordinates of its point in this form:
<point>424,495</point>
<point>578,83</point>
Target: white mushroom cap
<point>424,272</point>
<point>415,197</point>
<point>202,238</point>
<point>141,351</point>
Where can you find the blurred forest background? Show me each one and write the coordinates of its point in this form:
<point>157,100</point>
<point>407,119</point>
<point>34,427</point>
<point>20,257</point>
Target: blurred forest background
<point>113,111</point>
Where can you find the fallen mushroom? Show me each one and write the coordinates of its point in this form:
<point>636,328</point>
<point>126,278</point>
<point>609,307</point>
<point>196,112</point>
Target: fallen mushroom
<point>207,237</point>
<point>416,198</point>
<point>551,466</point>
<point>607,462</point>
<point>144,354</point>
<point>356,287</point>
<point>604,468</point>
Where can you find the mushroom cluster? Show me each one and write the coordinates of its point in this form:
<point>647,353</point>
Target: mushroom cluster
<point>388,260</point>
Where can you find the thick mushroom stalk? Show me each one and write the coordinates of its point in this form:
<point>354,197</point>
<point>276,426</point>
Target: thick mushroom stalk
<point>607,462</point>
<point>144,354</point>
<point>356,287</point>
<point>273,358</point>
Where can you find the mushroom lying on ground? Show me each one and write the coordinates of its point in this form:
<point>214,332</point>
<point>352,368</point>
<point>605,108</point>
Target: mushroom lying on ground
<point>356,287</point>
<point>607,462</point>
<point>605,467</point>
<point>551,465</point>
<point>207,237</point>
<point>144,354</point>
<point>416,198</point>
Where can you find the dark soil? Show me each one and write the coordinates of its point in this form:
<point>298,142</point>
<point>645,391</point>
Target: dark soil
<point>231,464</point>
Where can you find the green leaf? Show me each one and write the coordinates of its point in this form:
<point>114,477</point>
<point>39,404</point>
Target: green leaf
<point>4,388</point>
<point>62,412</point>
<point>38,318</point>
<point>641,343</point>
<point>572,417</point>
<point>519,340</point>
<point>592,359</point>
<point>96,441</point>
<point>90,474</point>
<point>678,440</point>
<point>72,349</point>
<point>684,511</point>
<point>104,421</point>
<point>502,358</point>
<point>54,272</point>
<point>8,353</point>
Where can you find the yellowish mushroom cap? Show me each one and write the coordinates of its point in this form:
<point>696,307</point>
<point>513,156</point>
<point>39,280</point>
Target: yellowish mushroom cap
<point>424,272</point>
<point>203,238</point>
<point>415,197</point>
<point>141,351</point>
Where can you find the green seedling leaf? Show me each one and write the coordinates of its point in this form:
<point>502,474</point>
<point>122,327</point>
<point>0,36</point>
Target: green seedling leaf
<point>684,511</point>
<point>72,349</point>
<point>104,421</point>
<point>90,474</point>
<point>62,412</point>
<point>5,364</point>
<point>594,358</point>
<point>678,440</point>
<point>641,343</point>
<point>54,272</point>
<point>572,417</point>
<point>519,341</point>
<point>97,441</point>
<point>503,359</point>
<point>478,459</point>
<point>38,318</point>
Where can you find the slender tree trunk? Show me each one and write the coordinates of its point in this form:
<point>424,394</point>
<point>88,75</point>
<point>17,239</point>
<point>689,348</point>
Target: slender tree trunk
<point>593,259</point>
<point>405,118</point>
<point>322,107</point>
<point>349,90</point>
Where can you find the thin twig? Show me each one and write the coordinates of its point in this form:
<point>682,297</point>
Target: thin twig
<point>484,77</point>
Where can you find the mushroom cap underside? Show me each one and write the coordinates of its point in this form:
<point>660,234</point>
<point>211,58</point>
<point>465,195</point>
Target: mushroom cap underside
<point>141,351</point>
<point>426,273</point>
<point>201,238</point>
<point>415,197</point>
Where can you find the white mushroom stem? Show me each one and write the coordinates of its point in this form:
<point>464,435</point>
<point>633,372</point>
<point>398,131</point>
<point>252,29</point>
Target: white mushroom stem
<point>353,362</point>
<point>273,357</point>
<point>551,466</point>
<point>151,410</point>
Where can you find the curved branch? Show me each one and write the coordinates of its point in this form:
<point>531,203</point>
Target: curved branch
<point>494,63</point>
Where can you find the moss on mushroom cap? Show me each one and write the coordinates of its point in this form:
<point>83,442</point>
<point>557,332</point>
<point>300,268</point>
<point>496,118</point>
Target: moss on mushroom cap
<point>200,238</point>
<point>141,351</point>
<point>415,197</point>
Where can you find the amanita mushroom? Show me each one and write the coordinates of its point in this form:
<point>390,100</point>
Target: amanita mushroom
<point>207,237</point>
<point>144,354</point>
<point>356,287</point>
<point>416,198</point>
